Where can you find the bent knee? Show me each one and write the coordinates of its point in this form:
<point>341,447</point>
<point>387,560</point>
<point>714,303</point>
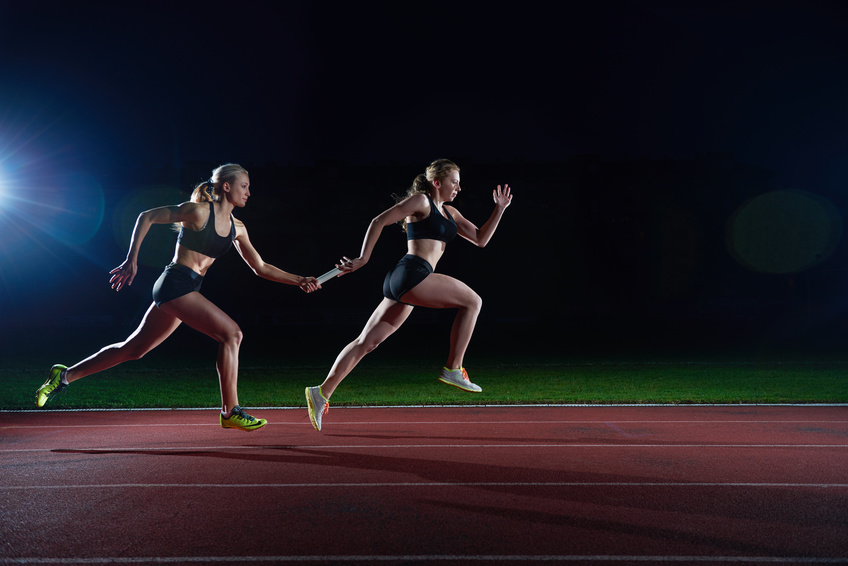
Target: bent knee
<point>368,345</point>
<point>132,352</point>
<point>232,337</point>
<point>367,342</point>
<point>474,302</point>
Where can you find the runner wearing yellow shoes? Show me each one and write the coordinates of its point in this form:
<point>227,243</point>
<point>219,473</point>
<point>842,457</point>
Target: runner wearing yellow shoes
<point>207,230</point>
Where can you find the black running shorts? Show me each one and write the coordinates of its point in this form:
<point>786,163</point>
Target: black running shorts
<point>409,272</point>
<point>177,280</point>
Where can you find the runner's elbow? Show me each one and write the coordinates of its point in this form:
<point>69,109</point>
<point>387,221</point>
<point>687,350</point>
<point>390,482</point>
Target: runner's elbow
<point>259,269</point>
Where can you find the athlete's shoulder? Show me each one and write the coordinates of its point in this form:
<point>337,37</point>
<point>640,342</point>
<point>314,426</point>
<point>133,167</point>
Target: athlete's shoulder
<point>193,207</point>
<point>193,215</point>
<point>419,200</point>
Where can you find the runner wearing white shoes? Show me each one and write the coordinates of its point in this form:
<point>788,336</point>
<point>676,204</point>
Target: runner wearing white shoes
<point>207,230</point>
<point>430,225</point>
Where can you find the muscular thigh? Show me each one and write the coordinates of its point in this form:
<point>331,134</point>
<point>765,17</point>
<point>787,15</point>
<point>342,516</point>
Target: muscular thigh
<point>154,328</point>
<point>440,291</point>
<point>201,314</point>
<point>385,319</point>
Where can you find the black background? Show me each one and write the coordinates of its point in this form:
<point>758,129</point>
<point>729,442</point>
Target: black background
<point>679,169</point>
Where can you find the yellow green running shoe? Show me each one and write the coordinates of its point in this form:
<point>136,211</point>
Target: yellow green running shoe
<point>242,421</point>
<point>52,386</point>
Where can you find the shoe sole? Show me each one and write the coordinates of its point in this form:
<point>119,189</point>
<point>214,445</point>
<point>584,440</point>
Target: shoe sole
<point>311,407</point>
<point>251,429</point>
<point>458,386</point>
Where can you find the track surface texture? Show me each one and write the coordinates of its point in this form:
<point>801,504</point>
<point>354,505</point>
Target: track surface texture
<point>436,485</point>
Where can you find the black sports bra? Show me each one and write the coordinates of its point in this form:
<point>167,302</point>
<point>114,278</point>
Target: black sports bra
<point>206,240</point>
<point>434,227</point>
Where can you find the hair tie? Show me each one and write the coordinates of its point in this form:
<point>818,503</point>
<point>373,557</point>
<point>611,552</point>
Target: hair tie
<point>209,186</point>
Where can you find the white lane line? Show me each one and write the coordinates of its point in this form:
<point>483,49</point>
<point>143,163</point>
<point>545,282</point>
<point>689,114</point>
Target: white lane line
<point>422,484</point>
<point>461,558</point>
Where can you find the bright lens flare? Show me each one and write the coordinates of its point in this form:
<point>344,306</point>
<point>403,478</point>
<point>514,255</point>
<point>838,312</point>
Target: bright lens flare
<point>80,202</point>
<point>67,207</point>
<point>3,195</point>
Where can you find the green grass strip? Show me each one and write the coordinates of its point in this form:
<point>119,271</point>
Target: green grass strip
<point>133,385</point>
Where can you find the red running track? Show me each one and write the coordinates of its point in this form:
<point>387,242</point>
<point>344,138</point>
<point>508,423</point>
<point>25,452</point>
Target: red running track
<point>451,485</point>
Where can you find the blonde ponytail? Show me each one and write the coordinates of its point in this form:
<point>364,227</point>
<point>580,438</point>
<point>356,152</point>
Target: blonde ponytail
<point>210,190</point>
<point>204,192</point>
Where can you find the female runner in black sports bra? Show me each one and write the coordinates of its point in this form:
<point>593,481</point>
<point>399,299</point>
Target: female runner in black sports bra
<point>430,225</point>
<point>208,229</point>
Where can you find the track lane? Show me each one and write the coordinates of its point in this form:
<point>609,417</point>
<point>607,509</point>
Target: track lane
<point>482,484</point>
